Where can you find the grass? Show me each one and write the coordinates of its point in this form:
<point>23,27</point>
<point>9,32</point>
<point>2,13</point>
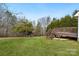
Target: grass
<point>37,46</point>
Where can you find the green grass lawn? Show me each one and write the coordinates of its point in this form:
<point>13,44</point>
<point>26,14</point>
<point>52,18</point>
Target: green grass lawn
<point>37,46</point>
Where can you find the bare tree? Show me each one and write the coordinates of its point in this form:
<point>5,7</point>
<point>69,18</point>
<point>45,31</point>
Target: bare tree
<point>7,19</point>
<point>44,21</point>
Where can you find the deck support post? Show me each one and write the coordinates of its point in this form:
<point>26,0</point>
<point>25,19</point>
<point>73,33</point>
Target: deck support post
<point>78,29</point>
<point>77,14</point>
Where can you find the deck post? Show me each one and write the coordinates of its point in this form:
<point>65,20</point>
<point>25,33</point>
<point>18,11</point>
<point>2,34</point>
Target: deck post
<point>77,14</point>
<point>78,29</point>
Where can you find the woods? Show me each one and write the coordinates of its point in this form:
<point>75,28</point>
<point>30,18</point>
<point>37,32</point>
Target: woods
<point>11,25</point>
<point>66,21</point>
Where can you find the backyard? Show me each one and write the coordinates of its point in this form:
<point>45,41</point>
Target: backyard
<point>38,46</point>
<point>38,29</point>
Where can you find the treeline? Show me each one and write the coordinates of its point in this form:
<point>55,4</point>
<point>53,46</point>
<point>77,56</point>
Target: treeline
<point>10,25</point>
<point>66,21</point>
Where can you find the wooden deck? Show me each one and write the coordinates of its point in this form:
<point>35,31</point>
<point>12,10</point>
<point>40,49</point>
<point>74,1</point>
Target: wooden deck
<point>67,34</point>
